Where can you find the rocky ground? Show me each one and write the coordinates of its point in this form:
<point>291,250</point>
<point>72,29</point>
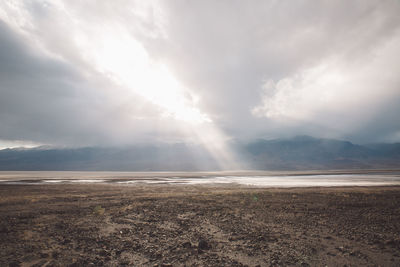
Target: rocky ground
<point>155,225</point>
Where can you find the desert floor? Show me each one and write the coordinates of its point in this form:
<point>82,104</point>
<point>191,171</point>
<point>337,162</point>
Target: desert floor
<point>176,225</point>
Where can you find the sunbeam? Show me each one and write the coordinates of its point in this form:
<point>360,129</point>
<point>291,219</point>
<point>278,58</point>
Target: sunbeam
<point>122,58</point>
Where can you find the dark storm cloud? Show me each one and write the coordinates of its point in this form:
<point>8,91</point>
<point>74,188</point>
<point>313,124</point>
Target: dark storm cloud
<point>35,92</point>
<point>48,101</point>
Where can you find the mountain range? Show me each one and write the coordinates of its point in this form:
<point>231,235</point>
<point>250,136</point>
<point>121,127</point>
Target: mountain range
<point>306,153</point>
<point>298,153</point>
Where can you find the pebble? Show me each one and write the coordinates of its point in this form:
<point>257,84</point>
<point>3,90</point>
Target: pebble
<point>203,245</point>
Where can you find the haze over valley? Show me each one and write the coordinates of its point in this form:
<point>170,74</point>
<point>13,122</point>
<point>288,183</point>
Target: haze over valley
<point>298,153</point>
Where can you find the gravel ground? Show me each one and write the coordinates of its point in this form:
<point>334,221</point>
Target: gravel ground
<point>171,225</point>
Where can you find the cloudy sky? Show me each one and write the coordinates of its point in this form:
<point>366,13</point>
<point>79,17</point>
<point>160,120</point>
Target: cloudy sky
<point>86,73</point>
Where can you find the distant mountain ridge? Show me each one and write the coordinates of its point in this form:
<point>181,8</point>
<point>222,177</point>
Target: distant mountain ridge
<point>133,158</point>
<point>305,152</point>
<point>298,153</point>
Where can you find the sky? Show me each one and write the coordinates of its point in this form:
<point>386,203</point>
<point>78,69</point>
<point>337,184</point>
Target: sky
<point>111,73</point>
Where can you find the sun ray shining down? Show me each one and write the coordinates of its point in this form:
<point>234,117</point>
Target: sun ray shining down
<point>122,58</point>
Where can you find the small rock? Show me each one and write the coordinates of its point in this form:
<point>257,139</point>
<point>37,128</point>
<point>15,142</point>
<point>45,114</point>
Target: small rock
<point>187,244</point>
<point>44,255</point>
<point>103,253</point>
<point>55,254</point>
<point>203,245</point>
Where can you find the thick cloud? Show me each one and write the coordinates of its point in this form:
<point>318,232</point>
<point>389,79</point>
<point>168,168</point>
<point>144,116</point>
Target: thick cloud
<point>69,74</point>
<point>47,101</point>
<point>230,51</point>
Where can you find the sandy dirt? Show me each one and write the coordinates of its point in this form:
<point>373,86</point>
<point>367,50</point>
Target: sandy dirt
<point>170,225</point>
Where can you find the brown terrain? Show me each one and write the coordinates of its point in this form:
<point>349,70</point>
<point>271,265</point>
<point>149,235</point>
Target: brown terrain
<point>176,225</point>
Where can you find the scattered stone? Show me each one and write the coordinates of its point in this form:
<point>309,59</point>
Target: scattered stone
<point>44,255</point>
<point>187,244</point>
<point>55,254</point>
<point>203,245</point>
